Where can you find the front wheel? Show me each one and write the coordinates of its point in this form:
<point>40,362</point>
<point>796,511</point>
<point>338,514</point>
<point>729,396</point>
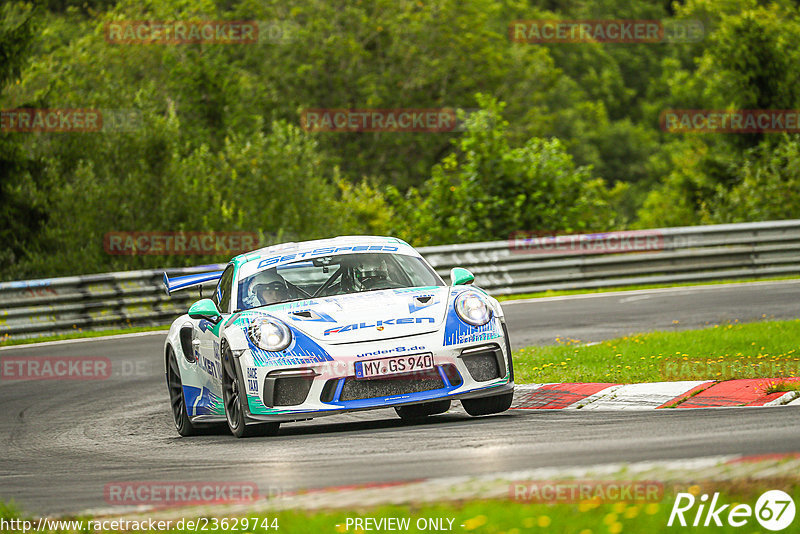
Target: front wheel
<point>180,416</point>
<point>420,411</point>
<point>488,405</point>
<point>234,398</point>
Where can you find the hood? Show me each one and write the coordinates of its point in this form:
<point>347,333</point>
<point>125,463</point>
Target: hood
<point>368,316</point>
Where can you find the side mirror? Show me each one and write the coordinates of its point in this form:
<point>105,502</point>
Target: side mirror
<point>205,309</point>
<point>461,277</point>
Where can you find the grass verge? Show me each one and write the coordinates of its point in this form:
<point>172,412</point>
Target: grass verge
<point>563,292</point>
<point>766,349</point>
<point>503,516</point>
<point>783,387</point>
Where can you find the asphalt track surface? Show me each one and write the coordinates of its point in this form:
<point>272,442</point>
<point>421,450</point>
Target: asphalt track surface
<point>63,441</point>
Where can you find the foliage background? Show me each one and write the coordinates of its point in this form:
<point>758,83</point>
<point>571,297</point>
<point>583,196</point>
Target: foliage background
<point>565,136</point>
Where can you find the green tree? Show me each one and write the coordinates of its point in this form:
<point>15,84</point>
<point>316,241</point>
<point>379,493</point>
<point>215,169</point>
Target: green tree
<point>277,184</point>
<point>22,210</point>
<point>488,189</point>
<point>748,62</point>
<point>768,186</point>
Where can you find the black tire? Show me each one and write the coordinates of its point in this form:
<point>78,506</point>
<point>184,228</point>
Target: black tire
<point>177,401</point>
<point>488,405</point>
<point>234,401</point>
<point>420,411</point>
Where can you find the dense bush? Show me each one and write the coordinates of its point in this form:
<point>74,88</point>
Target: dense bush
<point>487,189</point>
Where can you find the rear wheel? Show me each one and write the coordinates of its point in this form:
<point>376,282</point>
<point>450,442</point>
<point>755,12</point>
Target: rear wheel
<point>420,411</point>
<point>488,405</point>
<point>233,397</point>
<point>183,425</point>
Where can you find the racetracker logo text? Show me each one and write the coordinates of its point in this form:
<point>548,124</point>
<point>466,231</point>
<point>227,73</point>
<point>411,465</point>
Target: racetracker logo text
<point>51,120</point>
<point>550,491</point>
<point>604,243</point>
<point>178,243</point>
<point>55,368</point>
<point>380,120</point>
<point>69,120</point>
<point>174,493</point>
<point>182,32</point>
<point>730,121</point>
<point>605,31</point>
<point>678,368</point>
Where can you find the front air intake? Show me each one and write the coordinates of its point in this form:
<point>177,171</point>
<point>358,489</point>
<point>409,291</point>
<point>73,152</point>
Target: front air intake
<point>328,390</point>
<point>354,389</point>
<point>287,387</point>
<point>484,363</point>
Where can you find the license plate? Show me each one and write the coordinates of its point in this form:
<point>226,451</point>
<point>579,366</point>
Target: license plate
<point>397,365</point>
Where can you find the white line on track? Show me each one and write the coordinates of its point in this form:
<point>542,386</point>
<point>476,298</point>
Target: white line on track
<point>660,290</point>
<point>634,298</point>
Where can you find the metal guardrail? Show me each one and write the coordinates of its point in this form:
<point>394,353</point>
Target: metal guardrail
<point>34,308</point>
<point>686,254</point>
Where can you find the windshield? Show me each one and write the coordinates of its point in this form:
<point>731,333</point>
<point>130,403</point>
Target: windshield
<point>334,275</point>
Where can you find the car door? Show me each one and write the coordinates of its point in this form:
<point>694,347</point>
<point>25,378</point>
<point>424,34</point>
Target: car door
<point>209,362</point>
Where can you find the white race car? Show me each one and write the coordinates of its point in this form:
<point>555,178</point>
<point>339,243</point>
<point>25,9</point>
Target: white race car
<point>302,330</point>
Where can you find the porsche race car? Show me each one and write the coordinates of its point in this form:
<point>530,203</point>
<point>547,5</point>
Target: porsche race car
<point>302,330</point>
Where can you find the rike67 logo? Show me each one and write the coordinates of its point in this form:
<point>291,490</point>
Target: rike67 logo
<point>774,510</point>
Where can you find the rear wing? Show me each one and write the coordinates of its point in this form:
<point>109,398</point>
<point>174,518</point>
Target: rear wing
<point>185,282</point>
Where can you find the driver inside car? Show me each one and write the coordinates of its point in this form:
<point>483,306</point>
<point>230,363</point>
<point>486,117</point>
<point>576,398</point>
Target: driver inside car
<point>370,273</point>
<point>269,287</point>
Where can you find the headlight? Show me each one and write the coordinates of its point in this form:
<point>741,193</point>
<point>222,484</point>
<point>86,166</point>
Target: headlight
<point>269,334</point>
<point>472,308</point>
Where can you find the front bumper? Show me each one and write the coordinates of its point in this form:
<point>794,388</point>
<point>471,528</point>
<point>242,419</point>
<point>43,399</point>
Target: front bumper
<point>292,415</point>
<point>479,369</point>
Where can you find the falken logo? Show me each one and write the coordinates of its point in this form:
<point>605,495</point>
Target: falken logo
<point>380,324</point>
